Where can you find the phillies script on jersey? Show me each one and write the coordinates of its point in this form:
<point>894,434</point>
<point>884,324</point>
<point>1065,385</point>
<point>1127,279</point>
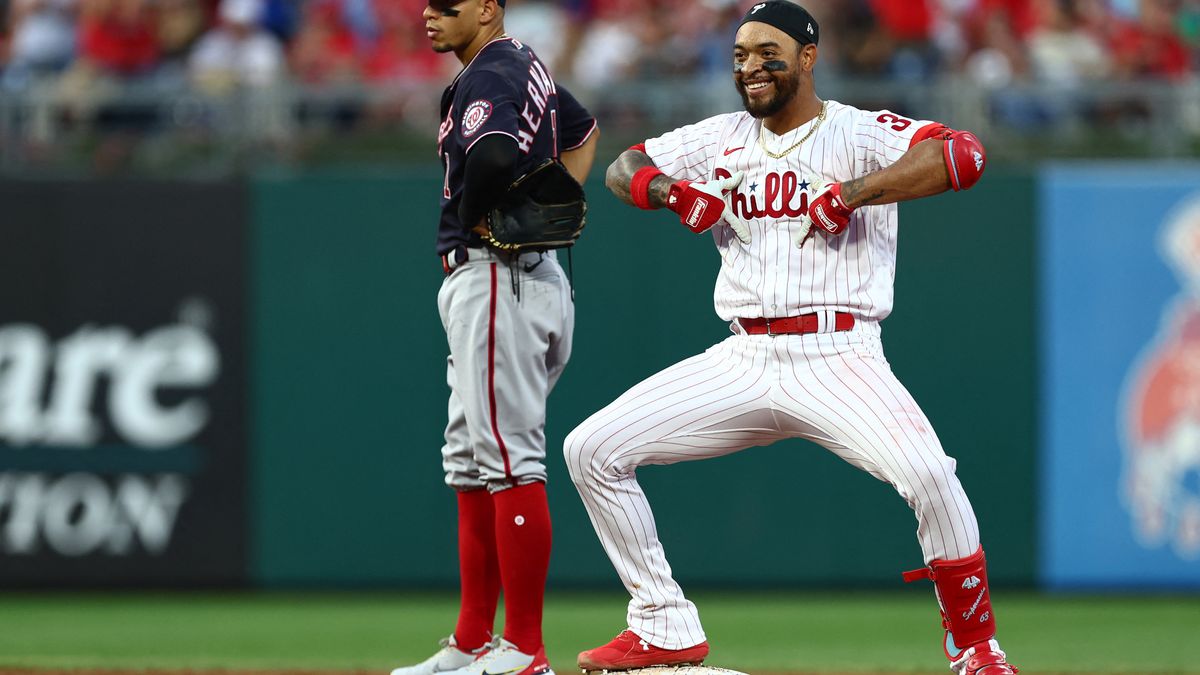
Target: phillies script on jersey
<point>852,272</point>
<point>783,196</point>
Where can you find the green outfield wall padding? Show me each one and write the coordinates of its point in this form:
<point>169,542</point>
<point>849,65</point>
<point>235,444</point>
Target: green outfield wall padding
<point>349,392</point>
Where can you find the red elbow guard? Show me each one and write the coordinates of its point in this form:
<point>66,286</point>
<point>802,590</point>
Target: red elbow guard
<point>965,159</point>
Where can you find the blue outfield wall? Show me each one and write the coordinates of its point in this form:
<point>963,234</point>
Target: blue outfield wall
<point>1119,254</point>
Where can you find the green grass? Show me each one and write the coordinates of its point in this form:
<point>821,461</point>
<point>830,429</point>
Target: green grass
<point>756,632</point>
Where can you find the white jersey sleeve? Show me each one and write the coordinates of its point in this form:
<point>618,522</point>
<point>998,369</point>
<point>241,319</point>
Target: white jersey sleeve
<point>882,137</point>
<point>689,153</point>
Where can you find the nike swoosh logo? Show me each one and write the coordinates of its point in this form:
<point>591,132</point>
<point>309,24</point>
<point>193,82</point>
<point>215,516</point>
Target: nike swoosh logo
<point>733,150</point>
<point>504,672</point>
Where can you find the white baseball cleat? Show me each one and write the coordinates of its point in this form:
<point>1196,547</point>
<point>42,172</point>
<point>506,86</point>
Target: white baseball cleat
<point>503,658</point>
<point>672,670</point>
<point>985,658</point>
<point>448,658</point>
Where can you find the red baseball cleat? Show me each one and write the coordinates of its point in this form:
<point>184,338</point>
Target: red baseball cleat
<point>986,661</point>
<point>628,651</point>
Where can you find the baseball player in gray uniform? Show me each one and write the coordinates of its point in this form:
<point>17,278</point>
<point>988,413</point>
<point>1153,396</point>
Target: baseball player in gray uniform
<point>509,320</point>
<point>800,196</point>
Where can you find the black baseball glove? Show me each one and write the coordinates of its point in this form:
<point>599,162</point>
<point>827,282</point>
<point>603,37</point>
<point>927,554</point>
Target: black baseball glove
<point>543,209</point>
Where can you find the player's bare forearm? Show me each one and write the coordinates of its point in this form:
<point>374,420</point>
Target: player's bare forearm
<point>579,160</point>
<point>920,172</point>
<point>619,177</point>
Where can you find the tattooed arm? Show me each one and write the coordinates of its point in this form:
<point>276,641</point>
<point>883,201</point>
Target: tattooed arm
<point>620,176</point>
<point>921,172</point>
<point>945,160</point>
<point>699,204</point>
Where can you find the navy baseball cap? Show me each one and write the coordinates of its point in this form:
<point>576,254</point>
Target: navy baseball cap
<point>787,17</point>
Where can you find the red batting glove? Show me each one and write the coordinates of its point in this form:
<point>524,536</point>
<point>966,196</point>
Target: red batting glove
<point>701,204</point>
<point>826,209</point>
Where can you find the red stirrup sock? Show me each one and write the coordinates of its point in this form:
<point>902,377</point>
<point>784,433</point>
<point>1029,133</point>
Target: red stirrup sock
<point>523,542</point>
<point>478,569</point>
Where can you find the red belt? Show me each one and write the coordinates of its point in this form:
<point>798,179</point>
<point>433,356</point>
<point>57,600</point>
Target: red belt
<point>794,325</point>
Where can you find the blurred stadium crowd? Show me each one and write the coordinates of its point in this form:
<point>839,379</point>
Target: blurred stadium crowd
<point>218,44</point>
<point>131,64</point>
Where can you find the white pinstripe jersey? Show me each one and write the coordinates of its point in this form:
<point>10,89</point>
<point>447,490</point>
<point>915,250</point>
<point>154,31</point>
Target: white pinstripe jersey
<point>852,272</point>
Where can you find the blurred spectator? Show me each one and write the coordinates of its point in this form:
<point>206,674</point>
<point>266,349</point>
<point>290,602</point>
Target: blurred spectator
<point>1061,51</point>
<point>361,18</point>
<point>715,38</point>
<point>666,49</point>
<point>904,20</point>
<point>119,59</point>
<point>118,37</point>
<point>118,45</point>
<point>906,26</point>
<point>949,31</point>
<point>237,52</point>
<point>1125,9</point>
<point>323,49</point>
<point>594,42</point>
<point>1021,15</point>
<point>1097,18</point>
<point>678,52</point>
<point>4,34</point>
<point>610,48</point>
<point>998,55</point>
<point>279,17</point>
<point>542,24</point>
<point>180,25</point>
<point>1151,47</point>
<point>399,51</point>
<point>866,46</point>
<point>887,38</point>
<point>578,18</point>
<point>42,39</point>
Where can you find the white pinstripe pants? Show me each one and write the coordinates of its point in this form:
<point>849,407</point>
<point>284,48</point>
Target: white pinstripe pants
<point>835,389</point>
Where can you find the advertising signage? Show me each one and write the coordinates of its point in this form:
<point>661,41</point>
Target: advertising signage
<point>122,384</point>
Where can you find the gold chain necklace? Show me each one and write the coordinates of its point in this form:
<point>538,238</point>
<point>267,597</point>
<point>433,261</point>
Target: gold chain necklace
<point>779,155</point>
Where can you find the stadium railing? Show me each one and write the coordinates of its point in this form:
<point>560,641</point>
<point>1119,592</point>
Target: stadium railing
<point>171,128</point>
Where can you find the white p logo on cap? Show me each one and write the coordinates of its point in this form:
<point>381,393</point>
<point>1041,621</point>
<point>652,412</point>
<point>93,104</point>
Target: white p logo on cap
<point>758,7</point>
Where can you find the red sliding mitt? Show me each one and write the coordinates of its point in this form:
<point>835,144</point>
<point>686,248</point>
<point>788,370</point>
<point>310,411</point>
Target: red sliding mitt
<point>826,209</point>
<point>700,204</point>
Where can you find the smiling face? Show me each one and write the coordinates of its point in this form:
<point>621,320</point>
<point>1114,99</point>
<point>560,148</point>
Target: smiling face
<point>769,67</point>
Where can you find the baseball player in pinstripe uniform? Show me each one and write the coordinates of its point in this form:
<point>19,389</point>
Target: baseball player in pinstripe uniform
<point>800,196</point>
<point>509,321</point>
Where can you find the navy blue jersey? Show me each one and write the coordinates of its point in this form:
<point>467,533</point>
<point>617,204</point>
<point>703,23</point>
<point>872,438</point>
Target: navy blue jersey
<point>506,90</point>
